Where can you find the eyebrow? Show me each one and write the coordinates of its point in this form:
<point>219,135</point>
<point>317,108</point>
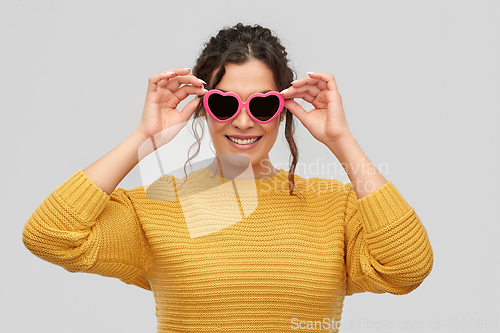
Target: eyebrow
<point>262,92</point>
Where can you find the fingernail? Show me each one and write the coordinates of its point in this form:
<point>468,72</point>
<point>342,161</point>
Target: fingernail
<point>187,68</point>
<point>202,81</point>
<point>205,90</point>
<point>310,72</point>
<point>284,91</point>
<point>293,81</point>
<point>168,73</point>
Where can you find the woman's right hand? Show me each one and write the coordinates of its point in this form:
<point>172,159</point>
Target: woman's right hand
<point>160,118</point>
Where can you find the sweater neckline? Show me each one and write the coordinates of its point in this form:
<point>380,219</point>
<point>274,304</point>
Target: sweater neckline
<point>242,186</point>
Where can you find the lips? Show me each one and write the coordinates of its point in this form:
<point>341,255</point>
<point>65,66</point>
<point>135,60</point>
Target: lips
<point>243,137</point>
<point>243,146</point>
<point>243,140</point>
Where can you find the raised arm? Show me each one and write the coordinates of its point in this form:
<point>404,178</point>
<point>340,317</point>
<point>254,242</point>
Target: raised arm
<point>89,225</point>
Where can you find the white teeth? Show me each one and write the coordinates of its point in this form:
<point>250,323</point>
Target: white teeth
<point>243,142</point>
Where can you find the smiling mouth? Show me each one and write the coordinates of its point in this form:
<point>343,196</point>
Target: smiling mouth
<point>244,142</point>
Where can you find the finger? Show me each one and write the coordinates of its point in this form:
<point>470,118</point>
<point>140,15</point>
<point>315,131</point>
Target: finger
<point>293,92</point>
<point>155,79</point>
<point>175,83</point>
<point>309,81</point>
<point>189,109</point>
<point>327,79</point>
<point>305,79</point>
<point>305,96</point>
<point>185,91</point>
<point>304,82</point>
<point>333,94</point>
<point>296,109</point>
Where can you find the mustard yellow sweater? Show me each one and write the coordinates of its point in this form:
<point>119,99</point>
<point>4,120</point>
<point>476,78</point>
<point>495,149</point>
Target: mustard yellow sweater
<point>240,255</point>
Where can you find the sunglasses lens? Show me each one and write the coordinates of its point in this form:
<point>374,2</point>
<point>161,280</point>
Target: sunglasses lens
<point>264,108</point>
<point>223,107</point>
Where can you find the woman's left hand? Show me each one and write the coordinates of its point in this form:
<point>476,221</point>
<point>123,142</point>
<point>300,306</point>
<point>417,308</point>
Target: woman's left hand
<point>327,122</point>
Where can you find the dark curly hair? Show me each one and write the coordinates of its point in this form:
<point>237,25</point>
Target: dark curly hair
<point>237,45</point>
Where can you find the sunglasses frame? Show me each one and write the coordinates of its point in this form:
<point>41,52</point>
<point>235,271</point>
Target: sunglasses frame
<point>242,105</point>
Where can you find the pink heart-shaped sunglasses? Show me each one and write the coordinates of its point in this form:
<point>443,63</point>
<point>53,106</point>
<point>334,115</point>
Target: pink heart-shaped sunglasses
<point>225,106</point>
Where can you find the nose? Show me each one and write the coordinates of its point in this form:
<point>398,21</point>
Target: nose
<point>243,120</point>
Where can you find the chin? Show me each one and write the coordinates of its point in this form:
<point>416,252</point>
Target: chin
<point>236,159</point>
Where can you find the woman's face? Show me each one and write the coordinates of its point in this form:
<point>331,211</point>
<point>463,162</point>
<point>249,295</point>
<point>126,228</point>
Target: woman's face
<point>246,79</point>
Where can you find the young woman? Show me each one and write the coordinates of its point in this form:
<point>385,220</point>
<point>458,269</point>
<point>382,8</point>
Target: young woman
<point>239,246</point>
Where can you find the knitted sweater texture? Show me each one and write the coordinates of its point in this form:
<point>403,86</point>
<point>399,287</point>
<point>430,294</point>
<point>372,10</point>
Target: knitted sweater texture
<point>236,255</point>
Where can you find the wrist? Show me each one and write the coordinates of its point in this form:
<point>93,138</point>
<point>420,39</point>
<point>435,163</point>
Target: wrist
<point>140,134</point>
<point>342,143</point>
<point>142,142</point>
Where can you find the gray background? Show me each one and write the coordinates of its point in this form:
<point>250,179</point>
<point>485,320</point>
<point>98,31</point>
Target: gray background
<point>420,86</point>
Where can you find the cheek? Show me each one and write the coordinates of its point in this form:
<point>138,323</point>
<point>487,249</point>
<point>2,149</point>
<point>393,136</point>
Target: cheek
<point>211,126</point>
<point>273,130</point>
<point>214,128</point>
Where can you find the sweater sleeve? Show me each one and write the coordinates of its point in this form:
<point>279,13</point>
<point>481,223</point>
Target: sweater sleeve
<point>386,246</point>
<point>83,229</point>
